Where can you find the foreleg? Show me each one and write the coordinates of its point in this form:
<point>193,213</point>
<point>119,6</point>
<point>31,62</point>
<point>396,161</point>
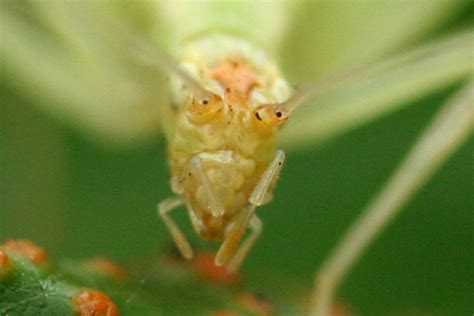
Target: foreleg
<point>238,228</point>
<point>196,168</point>
<point>256,230</point>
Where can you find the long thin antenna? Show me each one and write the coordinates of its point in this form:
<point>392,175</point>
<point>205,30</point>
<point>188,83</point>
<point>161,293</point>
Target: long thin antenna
<point>329,83</point>
<point>151,55</point>
<point>320,86</point>
<point>158,58</point>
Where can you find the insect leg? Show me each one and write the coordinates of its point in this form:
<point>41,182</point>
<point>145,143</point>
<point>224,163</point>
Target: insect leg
<point>445,134</point>
<point>258,197</point>
<point>268,180</point>
<point>166,206</point>
<point>214,202</point>
<point>238,258</point>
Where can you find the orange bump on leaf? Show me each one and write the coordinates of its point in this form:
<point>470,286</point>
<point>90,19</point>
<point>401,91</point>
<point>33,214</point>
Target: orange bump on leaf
<point>4,264</point>
<point>95,303</point>
<point>205,266</point>
<point>339,309</point>
<point>27,249</point>
<point>107,267</point>
<point>256,304</point>
<point>225,313</point>
<point>3,259</point>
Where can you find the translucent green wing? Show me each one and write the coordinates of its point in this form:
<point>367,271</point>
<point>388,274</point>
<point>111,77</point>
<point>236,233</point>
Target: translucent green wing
<point>378,89</point>
<point>327,35</point>
<point>73,59</point>
<point>328,38</point>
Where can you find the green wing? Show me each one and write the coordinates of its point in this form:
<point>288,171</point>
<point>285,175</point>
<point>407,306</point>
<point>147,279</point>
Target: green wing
<point>78,61</point>
<point>327,35</point>
<point>74,60</point>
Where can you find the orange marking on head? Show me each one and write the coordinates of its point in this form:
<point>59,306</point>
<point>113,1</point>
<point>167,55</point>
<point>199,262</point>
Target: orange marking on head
<point>27,249</point>
<point>95,303</point>
<point>237,79</point>
<point>204,264</point>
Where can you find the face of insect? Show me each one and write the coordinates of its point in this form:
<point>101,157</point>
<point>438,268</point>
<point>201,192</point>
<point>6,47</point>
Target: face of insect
<point>224,140</point>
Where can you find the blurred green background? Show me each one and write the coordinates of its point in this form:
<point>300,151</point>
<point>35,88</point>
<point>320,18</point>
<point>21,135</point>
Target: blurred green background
<point>78,198</point>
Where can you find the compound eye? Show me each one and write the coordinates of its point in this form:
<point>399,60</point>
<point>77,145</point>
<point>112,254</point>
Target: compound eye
<point>271,114</point>
<point>207,105</point>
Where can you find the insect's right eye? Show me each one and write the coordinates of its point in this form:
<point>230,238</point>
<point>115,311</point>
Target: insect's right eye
<point>271,114</point>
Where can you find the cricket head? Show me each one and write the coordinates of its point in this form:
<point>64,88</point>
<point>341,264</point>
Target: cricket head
<point>229,83</point>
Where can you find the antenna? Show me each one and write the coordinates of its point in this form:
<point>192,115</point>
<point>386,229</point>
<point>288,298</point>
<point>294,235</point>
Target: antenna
<point>318,87</point>
<point>172,65</point>
<point>156,57</point>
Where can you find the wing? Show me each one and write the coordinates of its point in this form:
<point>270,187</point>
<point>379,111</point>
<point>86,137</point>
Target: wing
<point>369,59</point>
<point>325,36</point>
<point>75,59</point>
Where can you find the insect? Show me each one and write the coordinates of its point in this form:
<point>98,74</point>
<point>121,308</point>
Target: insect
<point>224,86</point>
<point>222,142</point>
<point>222,150</point>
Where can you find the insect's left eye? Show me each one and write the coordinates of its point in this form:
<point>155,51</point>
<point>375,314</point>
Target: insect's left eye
<point>207,105</point>
<point>271,114</point>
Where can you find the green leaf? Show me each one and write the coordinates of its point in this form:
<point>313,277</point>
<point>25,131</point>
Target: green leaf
<point>30,285</point>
